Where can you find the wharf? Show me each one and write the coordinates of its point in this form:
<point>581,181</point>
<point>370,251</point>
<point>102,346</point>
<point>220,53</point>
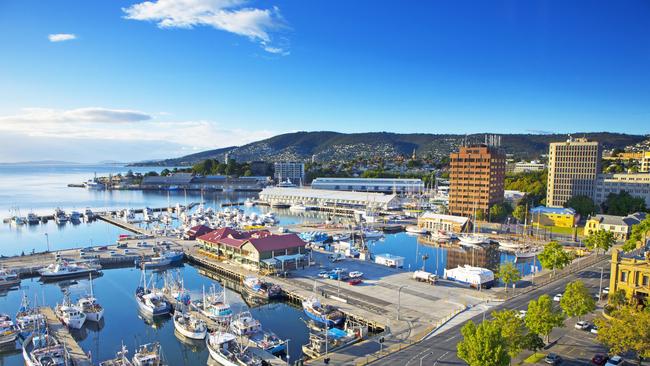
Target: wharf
<point>61,333</point>
<point>124,225</point>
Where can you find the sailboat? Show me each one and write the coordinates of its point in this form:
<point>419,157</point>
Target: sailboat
<point>474,239</point>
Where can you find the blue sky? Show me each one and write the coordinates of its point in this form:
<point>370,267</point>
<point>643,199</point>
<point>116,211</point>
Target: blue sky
<point>130,80</point>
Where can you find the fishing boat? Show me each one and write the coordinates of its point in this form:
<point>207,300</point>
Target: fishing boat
<point>28,319</point>
<point>415,230</point>
<point>8,278</point>
<point>69,314</point>
<point>8,330</point>
<point>89,305</point>
<point>214,306</point>
<point>88,214</point>
<point>75,216</point>
<point>332,339</point>
<point>60,217</point>
<point>473,276</point>
<point>65,269</point>
<point>44,350</point>
<point>189,325</point>
<point>119,360</point>
<point>150,300</point>
<point>257,288</point>
<point>245,324</point>
<point>323,314</point>
<point>33,219</point>
<point>268,341</point>
<point>224,348</point>
<point>149,354</point>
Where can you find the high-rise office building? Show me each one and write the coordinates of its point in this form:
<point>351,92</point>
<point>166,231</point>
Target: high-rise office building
<point>289,171</point>
<point>572,169</point>
<point>476,179</point>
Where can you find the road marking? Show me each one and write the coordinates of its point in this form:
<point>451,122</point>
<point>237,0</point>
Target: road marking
<point>440,358</point>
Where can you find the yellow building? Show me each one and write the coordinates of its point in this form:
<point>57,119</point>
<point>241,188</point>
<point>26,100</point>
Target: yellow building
<point>551,216</point>
<point>631,273</point>
<point>645,163</point>
<point>620,226</point>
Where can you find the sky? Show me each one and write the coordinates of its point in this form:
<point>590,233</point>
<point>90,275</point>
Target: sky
<point>88,81</point>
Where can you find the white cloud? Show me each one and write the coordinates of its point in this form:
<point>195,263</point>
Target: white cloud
<point>111,129</point>
<point>60,37</point>
<point>227,15</point>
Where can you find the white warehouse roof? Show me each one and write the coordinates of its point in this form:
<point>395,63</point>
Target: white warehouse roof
<point>327,195</point>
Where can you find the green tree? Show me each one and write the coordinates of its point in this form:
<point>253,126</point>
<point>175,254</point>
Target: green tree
<point>480,215</point>
<point>508,273</point>
<point>513,330</point>
<point>623,204</point>
<point>500,211</point>
<point>554,256</point>
<point>483,345</point>
<point>151,174</point>
<point>533,183</point>
<point>600,239</point>
<point>583,205</point>
<point>519,213</point>
<point>639,235</point>
<point>165,172</point>
<point>541,318</point>
<point>617,298</point>
<point>627,330</point>
<point>577,301</point>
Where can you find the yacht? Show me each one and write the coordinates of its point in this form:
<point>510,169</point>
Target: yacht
<point>69,314</point>
<point>254,287</point>
<point>415,230</point>
<point>224,348</point>
<point>150,300</point>
<point>60,217</point>
<point>189,325</point>
<point>323,314</point>
<point>94,184</point>
<point>64,269</point>
<point>9,278</point>
<point>214,306</point>
<point>245,324</point>
<point>89,305</point>
<point>372,234</point>
<point>44,350</point>
<point>441,235</point>
<point>33,219</point>
<point>119,360</point>
<point>8,330</point>
<point>472,239</point>
<point>149,355</point>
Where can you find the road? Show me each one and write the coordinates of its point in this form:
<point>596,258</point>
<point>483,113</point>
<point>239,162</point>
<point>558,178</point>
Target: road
<point>441,349</point>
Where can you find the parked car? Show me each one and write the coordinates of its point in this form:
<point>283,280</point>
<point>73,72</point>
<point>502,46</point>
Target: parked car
<point>557,297</point>
<point>323,274</point>
<point>127,251</point>
<point>553,359</point>
<point>594,329</point>
<point>599,359</point>
<point>113,253</point>
<point>606,291</point>
<point>355,281</point>
<point>582,325</point>
<point>521,314</point>
<point>615,361</point>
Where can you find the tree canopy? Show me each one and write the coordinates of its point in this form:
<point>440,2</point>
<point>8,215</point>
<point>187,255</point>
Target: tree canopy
<point>577,301</point>
<point>483,345</point>
<point>498,212</point>
<point>519,213</point>
<point>541,318</point>
<point>554,256</point>
<point>623,204</point>
<point>508,273</point>
<point>583,205</point>
<point>628,330</point>
<point>533,183</point>
<point>513,330</point>
<point>600,239</point>
<point>639,234</point>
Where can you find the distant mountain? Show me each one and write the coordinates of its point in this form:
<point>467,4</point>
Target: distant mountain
<point>329,146</point>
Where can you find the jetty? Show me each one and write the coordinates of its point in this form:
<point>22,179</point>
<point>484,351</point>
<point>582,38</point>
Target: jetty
<point>62,334</point>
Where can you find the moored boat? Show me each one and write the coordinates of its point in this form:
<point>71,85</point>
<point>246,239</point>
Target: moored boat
<point>189,325</point>
<point>151,301</point>
<point>9,278</point>
<point>33,219</point>
<point>28,319</point>
<point>44,350</point>
<point>245,324</point>
<point>214,306</point>
<point>69,314</point>
<point>119,360</point>
<point>8,330</point>
<point>268,341</point>
<point>257,288</point>
<point>149,354</point>
<point>323,314</point>
<point>224,348</point>
<point>65,269</point>
<point>415,230</point>
<point>472,239</point>
<point>60,217</point>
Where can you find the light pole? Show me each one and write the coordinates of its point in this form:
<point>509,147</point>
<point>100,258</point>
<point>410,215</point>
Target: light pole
<point>287,350</point>
<point>425,356</point>
<point>600,286</point>
<point>47,240</point>
<point>399,299</point>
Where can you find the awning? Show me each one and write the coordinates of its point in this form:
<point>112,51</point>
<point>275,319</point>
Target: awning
<point>270,262</point>
<point>286,258</point>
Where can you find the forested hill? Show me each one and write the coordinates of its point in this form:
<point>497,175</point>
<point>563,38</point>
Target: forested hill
<point>328,146</point>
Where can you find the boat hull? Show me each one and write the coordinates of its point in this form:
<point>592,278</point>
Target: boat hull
<point>187,333</point>
<point>221,359</point>
<point>95,316</point>
<point>45,276</point>
<point>321,320</point>
<point>160,311</point>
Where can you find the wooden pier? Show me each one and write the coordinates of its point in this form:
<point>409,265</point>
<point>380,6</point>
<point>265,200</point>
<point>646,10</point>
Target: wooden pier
<point>62,334</point>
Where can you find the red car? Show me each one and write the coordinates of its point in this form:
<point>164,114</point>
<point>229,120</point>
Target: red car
<point>599,360</point>
<point>355,281</point>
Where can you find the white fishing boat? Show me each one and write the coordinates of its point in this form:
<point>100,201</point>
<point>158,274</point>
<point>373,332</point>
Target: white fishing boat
<point>93,184</point>
<point>149,354</point>
<point>245,324</point>
<point>214,305</point>
<point>60,217</point>
<point>69,314</point>
<point>33,219</point>
<point>151,301</point>
<point>65,269</point>
<point>189,325</point>
<point>44,350</point>
<point>119,360</point>
<point>323,314</point>
<point>88,214</point>
<point>268,341</point>
<point>473,276</point>
<point>415,230</point>
<point>224,348</point>
<point>8,330</point>
<point>257,288</point>
<point>8,278</point>
<point>89,305</point>
<point>28,319</point>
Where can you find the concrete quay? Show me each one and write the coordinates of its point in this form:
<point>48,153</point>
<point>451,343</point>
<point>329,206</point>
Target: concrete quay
<point>62,334</point>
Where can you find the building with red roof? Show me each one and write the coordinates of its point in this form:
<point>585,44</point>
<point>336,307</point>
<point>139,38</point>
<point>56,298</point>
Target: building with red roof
<point>257,248</point>
<point>196,231</point>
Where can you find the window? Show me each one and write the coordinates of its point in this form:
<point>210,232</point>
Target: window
<point>623,276</point>
<point>646,281</point>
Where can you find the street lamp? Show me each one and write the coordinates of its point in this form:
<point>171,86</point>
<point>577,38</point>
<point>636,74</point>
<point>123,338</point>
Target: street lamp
<point>600,286</point>
<point>399,299</point>
<point>47,239</point>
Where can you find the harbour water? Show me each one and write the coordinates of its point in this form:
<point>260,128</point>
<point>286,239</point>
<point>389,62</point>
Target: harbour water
<point>41,188</point>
